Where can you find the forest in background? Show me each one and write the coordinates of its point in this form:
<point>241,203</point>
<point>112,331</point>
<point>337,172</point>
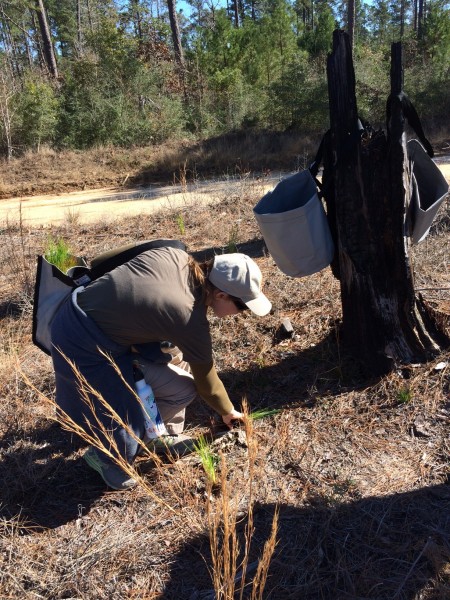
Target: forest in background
<point>76,74</point>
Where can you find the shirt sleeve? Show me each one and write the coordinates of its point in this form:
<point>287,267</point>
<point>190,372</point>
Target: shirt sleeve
<point>211,388</point>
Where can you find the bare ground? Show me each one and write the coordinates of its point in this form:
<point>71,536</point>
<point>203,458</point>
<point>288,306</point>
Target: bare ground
<point>110,203</point>
<point>358,467</point>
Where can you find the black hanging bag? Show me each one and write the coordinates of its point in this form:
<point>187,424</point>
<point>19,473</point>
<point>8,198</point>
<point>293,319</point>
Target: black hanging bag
<point>52,286</point>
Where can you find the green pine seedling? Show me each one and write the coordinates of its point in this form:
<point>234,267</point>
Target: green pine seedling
<point>180,223</point>
<point>58,253</point>
<point>233,240</point>
<point>404,395</point>
<point>263,413</point>
<point>208,458</point>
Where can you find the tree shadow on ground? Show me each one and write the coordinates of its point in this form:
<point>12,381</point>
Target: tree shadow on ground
<point>234,153</point>
<point>298,378</point>
<point>255,248</point>
<point>378,548</point>
<point>43,486</point>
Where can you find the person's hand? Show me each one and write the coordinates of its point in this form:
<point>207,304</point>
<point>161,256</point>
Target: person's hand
<point>234,415</point>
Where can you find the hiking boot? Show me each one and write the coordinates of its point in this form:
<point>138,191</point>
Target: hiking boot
<point>174,445</point>
<point>112,475</point>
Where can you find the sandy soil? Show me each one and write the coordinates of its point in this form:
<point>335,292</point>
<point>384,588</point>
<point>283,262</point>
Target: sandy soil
<point>109,203</point>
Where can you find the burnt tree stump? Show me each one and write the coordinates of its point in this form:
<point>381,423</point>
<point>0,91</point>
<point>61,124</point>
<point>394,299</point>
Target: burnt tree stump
<point>383,322</point>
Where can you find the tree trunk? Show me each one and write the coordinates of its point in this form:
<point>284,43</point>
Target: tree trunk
<point>89,14</point>
<point>26,42</point>
<point>176,37</point>
<point>420,12</point>
<point>402,18</point>
<point>137,19</point>
<point>5,112</point>
<point>49,53</point>
<point>79,26</point>
<point>351,22</point>
<point>236,12</point>
<point>383,322</point>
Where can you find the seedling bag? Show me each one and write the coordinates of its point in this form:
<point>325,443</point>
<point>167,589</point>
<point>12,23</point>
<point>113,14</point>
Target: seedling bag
<point>429,189</point>
<point>52,286</point>
<point>294,226</point>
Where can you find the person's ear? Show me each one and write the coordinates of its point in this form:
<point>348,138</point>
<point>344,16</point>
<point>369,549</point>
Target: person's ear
<point>220,295</point>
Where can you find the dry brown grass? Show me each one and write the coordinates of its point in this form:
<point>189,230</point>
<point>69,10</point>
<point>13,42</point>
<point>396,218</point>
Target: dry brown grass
<point>49,171</point>
<point>356,470</point>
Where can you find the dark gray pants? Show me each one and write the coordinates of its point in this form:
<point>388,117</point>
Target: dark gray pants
<point>79,338</point>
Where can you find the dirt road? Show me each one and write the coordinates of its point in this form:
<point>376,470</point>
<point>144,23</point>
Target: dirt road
<point>108,204</point>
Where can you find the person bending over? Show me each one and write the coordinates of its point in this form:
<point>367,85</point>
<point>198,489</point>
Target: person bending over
<point>161,295</point>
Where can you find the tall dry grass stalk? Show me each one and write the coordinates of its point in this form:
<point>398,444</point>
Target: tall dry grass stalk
<point>18,254</point>
<point>231,566</point>
<point>95,434</point>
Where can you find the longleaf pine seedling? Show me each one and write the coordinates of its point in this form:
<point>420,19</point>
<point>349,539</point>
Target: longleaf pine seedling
<point>180,223</point>
<point>404,395</point>
<point>233,239</point>
<point>263,413</point>
<point>58,253</point>
<point>209,459</point>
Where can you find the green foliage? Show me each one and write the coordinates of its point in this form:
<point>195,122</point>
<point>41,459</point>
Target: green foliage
<point>36,113</point>
<point>263,413</point>
<point>436,38</point>
<point>372,83</point>
<point>427,82</point>
<point>57,252</point>
<point>299,98</point>
<point>135,111</point>
<point>208,458</point>
<point>404,395</point>
<point>63,17</point>
<point>318,41</point>
<point>119,83</point>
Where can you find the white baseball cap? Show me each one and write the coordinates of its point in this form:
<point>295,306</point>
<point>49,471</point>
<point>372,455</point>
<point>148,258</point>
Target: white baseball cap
<point>239,276</point>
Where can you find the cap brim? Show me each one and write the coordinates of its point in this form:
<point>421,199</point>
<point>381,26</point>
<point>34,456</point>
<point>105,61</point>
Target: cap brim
<point>261,306</point>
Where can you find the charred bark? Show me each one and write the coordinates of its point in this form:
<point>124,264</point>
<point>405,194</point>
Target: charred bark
<point>383,322</point>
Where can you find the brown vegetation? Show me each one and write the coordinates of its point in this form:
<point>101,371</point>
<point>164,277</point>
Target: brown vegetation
<point>52,172</point>
<point>355,470</point>
<point>49,171</point>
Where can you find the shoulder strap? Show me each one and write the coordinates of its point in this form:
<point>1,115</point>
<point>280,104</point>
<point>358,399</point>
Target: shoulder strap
<point>100,267</point>
<point>319,159</point>
<point>315,165</point>
<point>410,114</point>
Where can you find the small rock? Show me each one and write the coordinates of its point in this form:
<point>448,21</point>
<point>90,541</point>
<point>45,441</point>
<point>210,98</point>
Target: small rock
<point>285,330</point>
